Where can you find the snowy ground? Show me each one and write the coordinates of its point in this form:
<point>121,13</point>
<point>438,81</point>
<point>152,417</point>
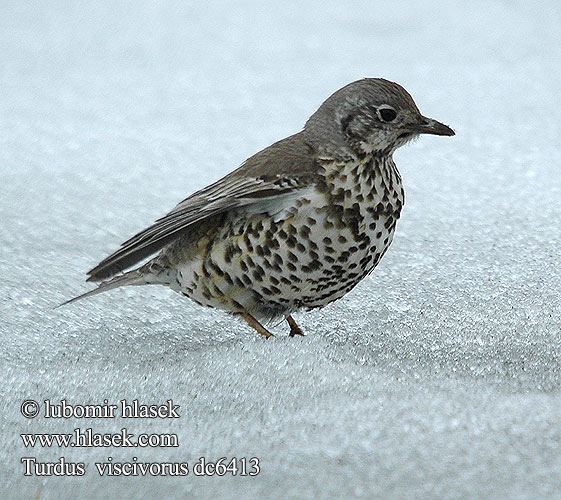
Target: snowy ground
<point>437,377</point>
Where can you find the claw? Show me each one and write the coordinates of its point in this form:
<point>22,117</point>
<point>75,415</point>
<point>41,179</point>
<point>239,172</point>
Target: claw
<point>294,328</point>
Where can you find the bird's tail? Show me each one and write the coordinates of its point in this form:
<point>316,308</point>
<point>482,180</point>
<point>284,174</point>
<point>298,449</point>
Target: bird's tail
<point>134,277</point>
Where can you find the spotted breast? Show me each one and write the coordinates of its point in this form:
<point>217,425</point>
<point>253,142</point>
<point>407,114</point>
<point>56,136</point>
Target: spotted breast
<point>307,253</point>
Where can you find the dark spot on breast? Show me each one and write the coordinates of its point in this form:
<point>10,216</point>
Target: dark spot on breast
<point>344,257</point>
<point>315,265</point>
<point>304,232</point>
<point>389,222</point>
<point>228,253</point>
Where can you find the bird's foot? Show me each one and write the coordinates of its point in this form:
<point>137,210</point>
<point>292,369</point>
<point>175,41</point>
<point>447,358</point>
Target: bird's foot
<point>294,328</point>
<point>258,327</point>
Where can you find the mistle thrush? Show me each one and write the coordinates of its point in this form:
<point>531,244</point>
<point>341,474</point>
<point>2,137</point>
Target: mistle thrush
<point>297,226</point>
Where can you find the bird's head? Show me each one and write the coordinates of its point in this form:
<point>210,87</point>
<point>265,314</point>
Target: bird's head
<point>372,115</point>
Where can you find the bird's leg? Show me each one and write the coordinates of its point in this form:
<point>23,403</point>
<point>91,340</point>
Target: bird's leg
<point>251,321</point>
<point>294,328</point>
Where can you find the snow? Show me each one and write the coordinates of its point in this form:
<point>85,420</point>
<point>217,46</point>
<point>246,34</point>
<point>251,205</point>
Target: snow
<point>437,377</point>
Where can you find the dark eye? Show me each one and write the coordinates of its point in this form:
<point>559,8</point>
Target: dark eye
<point>387,114</point>
<point>345,122</point>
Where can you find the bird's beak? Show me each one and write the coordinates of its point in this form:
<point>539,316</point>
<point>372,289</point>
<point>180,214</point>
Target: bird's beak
<point>430,126</point>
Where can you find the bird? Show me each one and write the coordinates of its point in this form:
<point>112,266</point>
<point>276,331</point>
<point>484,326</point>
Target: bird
<point>297,226</point>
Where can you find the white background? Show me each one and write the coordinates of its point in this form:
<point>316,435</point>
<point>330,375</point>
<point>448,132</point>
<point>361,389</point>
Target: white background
<point>437,377</point>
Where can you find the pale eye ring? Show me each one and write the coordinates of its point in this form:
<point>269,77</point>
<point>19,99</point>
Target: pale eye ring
<point>387,114</point>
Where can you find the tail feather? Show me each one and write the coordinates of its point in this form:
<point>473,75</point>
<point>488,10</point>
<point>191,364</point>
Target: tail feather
<point>134,277</point>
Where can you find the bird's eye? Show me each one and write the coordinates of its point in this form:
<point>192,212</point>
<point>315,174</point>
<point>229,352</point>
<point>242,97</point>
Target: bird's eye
<point>387,114</point>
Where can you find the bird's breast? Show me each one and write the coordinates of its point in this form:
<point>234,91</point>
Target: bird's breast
<point>349,224</point>
<point>305,252</point>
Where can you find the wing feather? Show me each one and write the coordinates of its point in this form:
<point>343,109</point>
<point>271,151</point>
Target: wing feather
<point>188,212</point>
<point>251,185</point>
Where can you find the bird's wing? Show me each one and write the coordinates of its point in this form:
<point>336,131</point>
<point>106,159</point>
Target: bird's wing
<point>241,188</point>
